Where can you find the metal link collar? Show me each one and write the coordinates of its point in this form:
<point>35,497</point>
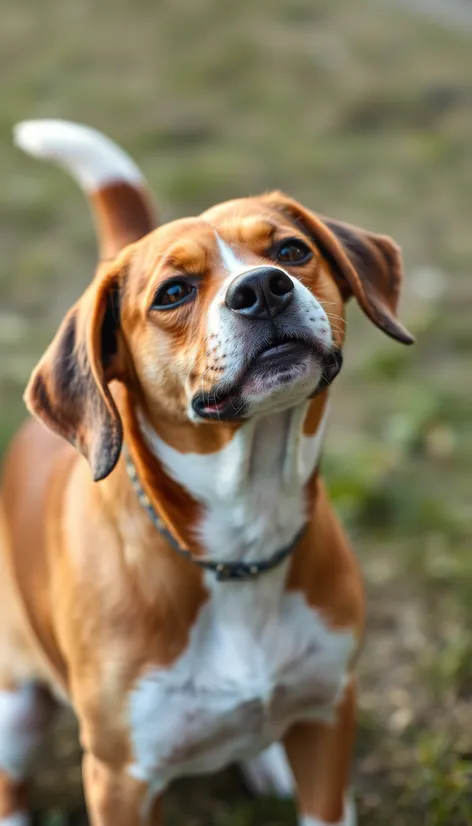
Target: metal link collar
<point>224,571</point>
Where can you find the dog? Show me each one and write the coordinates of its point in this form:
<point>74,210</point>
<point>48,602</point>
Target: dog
<point>188,589</point>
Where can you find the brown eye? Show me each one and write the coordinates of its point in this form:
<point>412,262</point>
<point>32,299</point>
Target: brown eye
<point>173,294</point>
<point>293,251</point>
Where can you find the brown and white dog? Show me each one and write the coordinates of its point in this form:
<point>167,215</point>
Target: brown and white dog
<point>193,375</point>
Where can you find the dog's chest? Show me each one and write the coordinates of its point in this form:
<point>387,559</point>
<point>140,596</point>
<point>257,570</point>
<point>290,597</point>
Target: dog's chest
<point>257,660</point>
<point>258,657</point>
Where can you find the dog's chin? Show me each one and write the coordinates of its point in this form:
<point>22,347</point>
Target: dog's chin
<point>280,377</point>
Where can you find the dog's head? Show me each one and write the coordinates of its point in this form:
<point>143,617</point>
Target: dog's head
<point>236,313</point>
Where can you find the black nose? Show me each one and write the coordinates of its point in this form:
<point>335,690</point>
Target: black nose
<point>260,293</point>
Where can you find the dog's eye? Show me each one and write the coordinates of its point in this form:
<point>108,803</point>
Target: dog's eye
<point>293,251</point>
<point>173,294</point>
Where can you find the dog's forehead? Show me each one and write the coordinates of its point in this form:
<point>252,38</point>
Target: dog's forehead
<point>244,213</point>
<point>184,244</point>
<point>179,237</point>
<point>193,243</point>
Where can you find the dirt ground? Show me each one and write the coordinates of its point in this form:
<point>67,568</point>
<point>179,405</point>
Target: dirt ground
<point>364,114</point>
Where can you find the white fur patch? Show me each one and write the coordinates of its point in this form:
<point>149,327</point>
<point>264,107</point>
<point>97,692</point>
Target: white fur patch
<point>90,157</point>
<point>349,818</point>
<point>258,659</point>
<point>269,773</point>
<point>15,819</point>
<point>311,446</point>
<point>252,489</point>
<point>232,264</point>
<point>22,722</point>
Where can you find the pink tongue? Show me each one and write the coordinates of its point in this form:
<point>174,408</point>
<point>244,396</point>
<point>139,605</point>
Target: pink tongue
<point>214,407</point>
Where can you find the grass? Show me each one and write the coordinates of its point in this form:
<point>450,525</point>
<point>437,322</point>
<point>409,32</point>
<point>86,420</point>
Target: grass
<point>364,115</point>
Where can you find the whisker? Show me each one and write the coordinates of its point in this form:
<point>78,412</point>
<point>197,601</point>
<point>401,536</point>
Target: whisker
<point>339,317</point>
<point>336,329</point>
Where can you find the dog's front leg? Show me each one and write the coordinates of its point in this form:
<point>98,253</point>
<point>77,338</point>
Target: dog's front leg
<point>320,758</point>
<point>115,798</point>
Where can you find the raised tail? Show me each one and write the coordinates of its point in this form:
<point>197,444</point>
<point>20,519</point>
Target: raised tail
<point>115,187</point>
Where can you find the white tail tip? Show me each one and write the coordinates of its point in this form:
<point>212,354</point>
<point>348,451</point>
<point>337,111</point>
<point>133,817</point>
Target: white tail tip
<point>90,157</point>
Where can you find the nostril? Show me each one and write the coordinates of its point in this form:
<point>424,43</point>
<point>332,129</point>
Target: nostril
<point>260,293</point>
<point>280,284</point>
<point>244,298</point>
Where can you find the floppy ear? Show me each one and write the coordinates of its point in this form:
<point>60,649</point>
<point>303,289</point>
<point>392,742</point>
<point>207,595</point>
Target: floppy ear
<point>366,265</point>
<point>376,260</point>
<point>68,390</point>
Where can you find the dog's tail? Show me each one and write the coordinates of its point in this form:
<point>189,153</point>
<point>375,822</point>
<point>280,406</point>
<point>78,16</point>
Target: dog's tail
<point>115,187</point>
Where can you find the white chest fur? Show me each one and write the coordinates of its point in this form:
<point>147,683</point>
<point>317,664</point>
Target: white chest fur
<point>252,490</point>
<point>258,659</point>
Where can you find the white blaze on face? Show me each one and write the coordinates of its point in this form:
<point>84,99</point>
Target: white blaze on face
<point>310,313</point>
<point>231,263</point>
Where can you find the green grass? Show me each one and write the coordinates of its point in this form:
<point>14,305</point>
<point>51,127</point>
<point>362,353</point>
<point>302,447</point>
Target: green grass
<point>364,114</point>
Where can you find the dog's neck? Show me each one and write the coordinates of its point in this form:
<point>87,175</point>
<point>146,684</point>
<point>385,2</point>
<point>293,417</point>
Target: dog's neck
<point>239,496</point>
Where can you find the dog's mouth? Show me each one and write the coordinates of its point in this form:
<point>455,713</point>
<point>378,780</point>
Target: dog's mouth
<point>269,369</point>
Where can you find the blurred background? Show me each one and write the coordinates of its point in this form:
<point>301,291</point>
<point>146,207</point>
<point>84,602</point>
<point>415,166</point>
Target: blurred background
<point>362,111</point>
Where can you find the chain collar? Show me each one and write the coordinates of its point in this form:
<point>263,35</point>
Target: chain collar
<point>224,571</point>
